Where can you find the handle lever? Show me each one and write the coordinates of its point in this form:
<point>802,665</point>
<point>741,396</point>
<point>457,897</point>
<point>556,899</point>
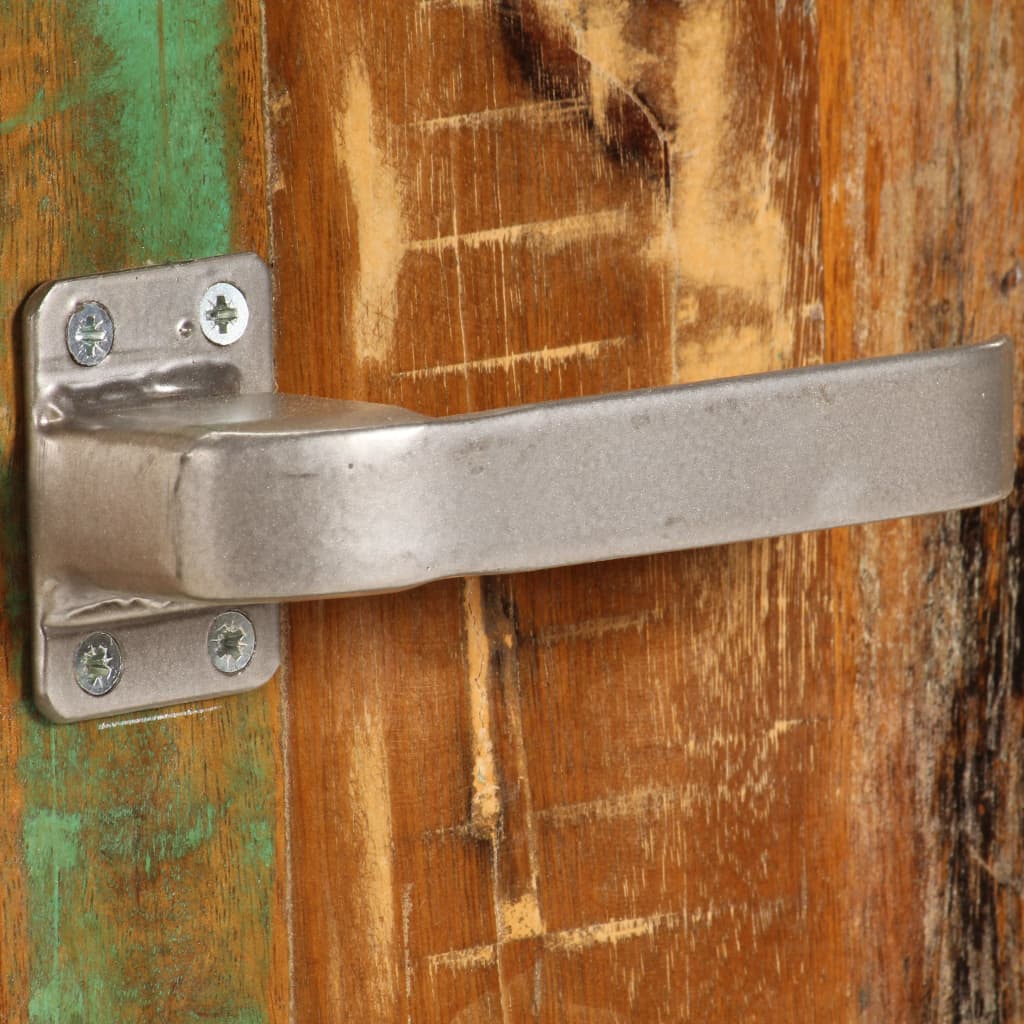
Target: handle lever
<point>195,484</point>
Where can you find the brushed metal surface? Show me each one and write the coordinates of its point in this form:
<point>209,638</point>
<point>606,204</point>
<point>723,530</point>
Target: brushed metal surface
<point>276,497</point>
<point>159,354</point>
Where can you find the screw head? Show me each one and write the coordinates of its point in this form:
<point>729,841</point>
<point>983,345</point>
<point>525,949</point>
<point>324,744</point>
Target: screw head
<point>98,664</point>
<point>90,334</point>
<point>223,314</point>
<point>231,642</point>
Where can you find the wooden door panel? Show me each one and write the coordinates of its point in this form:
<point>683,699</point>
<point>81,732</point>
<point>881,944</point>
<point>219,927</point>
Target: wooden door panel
<point>772,781</point>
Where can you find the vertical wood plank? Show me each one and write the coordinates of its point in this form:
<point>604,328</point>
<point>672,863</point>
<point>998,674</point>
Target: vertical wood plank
<point>602,793</point>
<point>141,860</point>
<point>923,218</point>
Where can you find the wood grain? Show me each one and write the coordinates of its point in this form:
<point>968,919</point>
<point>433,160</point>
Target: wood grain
<point>923,228</point>
<point>775,781</point>
<point>595,794</point>
<point>139,861</point>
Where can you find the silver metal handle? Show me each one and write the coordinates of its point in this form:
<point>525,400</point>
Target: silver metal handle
<point>274,497</point>
<point>194,483</point>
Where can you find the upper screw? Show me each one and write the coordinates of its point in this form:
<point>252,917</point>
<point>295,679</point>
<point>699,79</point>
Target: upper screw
<point>223,314</point>
<point>90,334</point>
<point>98,664</point>
<point>231,641</point>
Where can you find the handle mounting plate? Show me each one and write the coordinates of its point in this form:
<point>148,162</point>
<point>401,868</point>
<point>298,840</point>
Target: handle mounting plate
<point>103,344</point>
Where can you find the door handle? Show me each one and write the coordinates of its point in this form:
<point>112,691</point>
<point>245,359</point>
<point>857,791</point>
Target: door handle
<point>169,482</point>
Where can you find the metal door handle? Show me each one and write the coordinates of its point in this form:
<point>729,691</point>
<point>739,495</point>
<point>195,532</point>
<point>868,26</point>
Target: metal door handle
<point>169,476</point>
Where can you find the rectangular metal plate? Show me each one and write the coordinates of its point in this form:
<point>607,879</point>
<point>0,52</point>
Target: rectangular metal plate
<point>159,351</point>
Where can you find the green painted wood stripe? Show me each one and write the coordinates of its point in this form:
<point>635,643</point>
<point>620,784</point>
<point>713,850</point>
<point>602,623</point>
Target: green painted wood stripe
<point>149,848</point>
<point>164,120</point>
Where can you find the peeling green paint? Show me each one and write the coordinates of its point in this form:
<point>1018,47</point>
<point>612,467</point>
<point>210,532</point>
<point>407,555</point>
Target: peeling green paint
<point>51,841</point>
<point>61,999</point>
<point>13,544</point>
<point>124,848</point>
<point>259,843</point>
<point>52,848</point>
<point>157,76</point>
<point>172,832</point>
<point>252,1015</point>
<point>43,106</point>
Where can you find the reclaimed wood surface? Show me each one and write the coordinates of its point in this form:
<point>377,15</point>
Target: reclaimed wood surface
<point>923,195</point>
<point>777,781</point>
<point>139,858</point>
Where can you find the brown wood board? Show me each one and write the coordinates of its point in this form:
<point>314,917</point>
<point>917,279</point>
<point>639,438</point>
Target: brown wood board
<point>748,783</point>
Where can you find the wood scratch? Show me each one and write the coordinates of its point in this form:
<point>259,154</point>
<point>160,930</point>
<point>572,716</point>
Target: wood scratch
<point>485,805</point>
<point>570,939</point>
<point>611,932</point>
<point>406,923</point>
<point>541,359</point>
<point>552,233</point>
<point>284,685</point>
<point>640,804</point>
<point>376,191</point>
<point>190,713</point>
<point>465,959</point>
<point>1001,878</point>
<point>784,725</point>
<point>535,112</point>
<point>373,873</point>
<point>761,915</point>
<point>537,1000</point>
<point>520,918</point>
<point>591,629</point>
<point>431,5</point>
<point>460,292</point>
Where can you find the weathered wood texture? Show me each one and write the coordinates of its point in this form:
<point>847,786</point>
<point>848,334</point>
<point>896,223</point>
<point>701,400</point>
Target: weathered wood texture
<point>924,223</point>
<point>139,876</point>
<point>776,781</point>
<point>554,797</point>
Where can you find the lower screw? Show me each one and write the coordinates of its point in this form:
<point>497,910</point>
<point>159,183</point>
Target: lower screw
<point>98,664</point>
<point>231,642</point>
